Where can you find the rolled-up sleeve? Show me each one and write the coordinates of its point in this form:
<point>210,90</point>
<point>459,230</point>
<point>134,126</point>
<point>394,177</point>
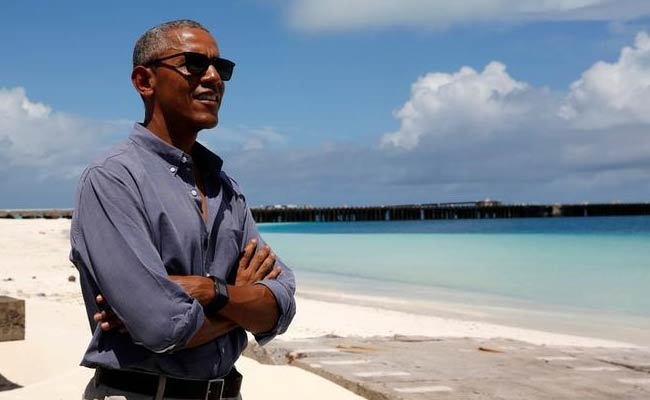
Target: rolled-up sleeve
<point>112,241</point>
<point>283,287</point>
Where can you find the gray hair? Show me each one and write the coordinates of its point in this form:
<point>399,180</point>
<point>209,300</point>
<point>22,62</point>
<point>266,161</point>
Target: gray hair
<point>155,40</point>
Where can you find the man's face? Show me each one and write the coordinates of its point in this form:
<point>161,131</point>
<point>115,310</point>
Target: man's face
<point>186,101</point>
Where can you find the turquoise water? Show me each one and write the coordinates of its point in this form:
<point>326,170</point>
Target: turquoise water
<point>591,263</point>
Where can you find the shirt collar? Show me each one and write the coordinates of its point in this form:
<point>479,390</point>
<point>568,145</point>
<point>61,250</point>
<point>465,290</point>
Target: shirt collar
<point>173,155</point>
<point>206,157</point>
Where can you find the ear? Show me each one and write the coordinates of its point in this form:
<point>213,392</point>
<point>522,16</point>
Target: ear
<point>144,80</point>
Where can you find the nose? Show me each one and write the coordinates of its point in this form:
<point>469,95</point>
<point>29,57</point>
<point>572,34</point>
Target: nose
<point>212,75</point>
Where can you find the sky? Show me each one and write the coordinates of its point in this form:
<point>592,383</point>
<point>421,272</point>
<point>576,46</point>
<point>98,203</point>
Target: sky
<point>355,102</point>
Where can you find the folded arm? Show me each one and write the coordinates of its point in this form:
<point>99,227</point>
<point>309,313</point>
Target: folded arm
<point>261,300</point>
<point>251,306</point>
<point>113,243</point>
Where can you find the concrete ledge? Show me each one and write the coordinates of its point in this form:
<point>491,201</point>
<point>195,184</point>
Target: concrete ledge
<point>12,319</point>
<point>421,368</point>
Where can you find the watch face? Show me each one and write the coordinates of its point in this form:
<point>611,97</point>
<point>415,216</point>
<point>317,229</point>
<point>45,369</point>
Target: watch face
<point>220,296</point>
<point>223,291</point>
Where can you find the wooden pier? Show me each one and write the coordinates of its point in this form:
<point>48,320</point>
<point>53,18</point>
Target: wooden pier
<point>432,211</point>
<point>444,211</point>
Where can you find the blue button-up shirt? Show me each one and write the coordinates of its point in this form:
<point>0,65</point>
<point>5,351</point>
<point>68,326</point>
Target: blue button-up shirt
<point>137,219</point>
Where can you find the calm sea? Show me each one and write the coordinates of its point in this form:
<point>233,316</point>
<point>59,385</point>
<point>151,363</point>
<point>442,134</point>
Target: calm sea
<point>599,264</point>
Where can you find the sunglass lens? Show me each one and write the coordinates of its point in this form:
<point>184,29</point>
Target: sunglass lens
<point>224,68</point>
<point>196,63</point>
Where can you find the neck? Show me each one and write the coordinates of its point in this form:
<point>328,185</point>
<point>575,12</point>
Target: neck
<point>177,136</point>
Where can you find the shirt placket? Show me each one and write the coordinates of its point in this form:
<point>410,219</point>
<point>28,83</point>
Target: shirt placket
<point>215,207</point>
<point>186,168</point>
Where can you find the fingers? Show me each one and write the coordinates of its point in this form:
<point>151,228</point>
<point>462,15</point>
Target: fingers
<point>107,320</point>
<point>247,254</point>
<point>256,264</point>
<point>102,317</point>
<point>259,257</point>
<point>266,267</point>
<point>274,273</point>
<point>112,324</point>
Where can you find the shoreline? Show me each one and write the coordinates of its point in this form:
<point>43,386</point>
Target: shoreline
<point>352,320</point>
<point>482,308</point>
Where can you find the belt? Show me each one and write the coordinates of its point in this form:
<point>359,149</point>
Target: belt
<point>159,386</point>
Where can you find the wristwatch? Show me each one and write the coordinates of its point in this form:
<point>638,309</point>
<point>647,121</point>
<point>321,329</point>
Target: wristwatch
<point>220,296</point>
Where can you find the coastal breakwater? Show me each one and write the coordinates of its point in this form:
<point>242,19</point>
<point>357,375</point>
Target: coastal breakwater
<point>445,211</point>
<point>432,211</point>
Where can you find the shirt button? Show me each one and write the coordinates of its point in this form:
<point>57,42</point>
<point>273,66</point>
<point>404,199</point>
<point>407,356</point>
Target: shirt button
<point>172,169</point>
<point>184,159</point>
<point>194,192</point>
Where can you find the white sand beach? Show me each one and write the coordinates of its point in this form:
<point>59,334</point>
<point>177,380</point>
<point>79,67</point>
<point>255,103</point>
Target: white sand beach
<point>34,266</point>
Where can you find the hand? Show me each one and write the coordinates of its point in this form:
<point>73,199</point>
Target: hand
<point>196,286</point>
<point>255,266</point>
<point>107,319</point>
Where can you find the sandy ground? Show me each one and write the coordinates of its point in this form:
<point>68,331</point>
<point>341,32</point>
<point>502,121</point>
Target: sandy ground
<point>34,266</point>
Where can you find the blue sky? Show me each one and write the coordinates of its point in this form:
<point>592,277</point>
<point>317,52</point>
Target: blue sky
<point>351,102</point>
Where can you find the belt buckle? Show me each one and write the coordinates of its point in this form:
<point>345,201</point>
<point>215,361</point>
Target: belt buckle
<point>214,386</point>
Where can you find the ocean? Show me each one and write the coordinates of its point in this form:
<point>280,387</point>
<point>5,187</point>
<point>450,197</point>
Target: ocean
<point>583,265</point>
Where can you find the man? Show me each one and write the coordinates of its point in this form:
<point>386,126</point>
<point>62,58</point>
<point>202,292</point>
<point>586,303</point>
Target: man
<point>173,271</point>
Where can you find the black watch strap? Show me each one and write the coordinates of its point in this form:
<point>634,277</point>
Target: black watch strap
<point>220,296</point>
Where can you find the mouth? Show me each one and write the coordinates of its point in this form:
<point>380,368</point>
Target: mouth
<point>207,97</point>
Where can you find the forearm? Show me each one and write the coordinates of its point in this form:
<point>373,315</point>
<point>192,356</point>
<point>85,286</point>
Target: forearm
<point>253,307</point>
<point>277,306</point>
<point>212,328</point>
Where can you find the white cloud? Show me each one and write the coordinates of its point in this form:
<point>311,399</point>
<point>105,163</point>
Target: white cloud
<point>464,135</point>
<point>613,94</point>
<point>473,134</point>
<point>335,15</point>
<point>452,104</point>
<point>262,138</point>
<point>245,138</point>
<point>32,135</point>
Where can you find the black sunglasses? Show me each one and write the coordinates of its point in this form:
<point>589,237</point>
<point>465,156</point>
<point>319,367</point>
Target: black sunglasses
<point>197,63</point>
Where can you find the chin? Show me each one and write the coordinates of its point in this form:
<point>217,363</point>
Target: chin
<point>207,123</point>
